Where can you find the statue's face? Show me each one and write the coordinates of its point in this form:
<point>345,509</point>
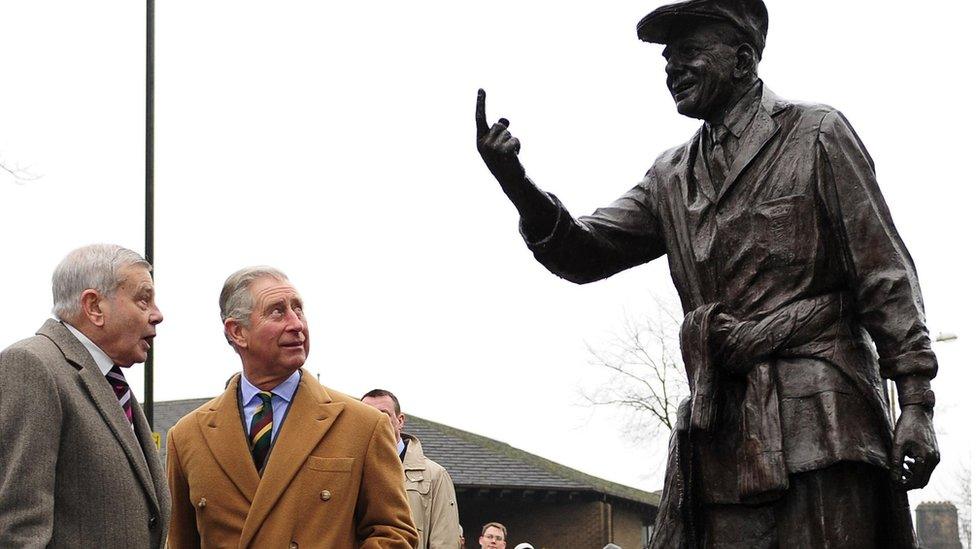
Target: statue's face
<point>700,72</point>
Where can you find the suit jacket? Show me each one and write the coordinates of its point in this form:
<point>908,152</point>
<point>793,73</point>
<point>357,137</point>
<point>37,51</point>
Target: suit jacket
<point>73,472</point>
<point>332,479</point>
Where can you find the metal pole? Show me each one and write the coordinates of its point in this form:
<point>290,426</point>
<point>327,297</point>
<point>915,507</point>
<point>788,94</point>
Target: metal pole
<point>150,191</point>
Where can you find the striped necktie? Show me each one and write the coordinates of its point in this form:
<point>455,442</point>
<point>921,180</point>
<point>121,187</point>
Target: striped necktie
<point>122,392</point>
<point>260,433</point>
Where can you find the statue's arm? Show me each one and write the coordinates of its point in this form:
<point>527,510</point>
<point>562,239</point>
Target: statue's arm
<point>593,247</point>
<point>884,285</point>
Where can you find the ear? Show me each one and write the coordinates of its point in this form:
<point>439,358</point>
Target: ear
<point>236,332</point>
<point>402,420</point>
<point>91,307</point>
<point>746,61</point>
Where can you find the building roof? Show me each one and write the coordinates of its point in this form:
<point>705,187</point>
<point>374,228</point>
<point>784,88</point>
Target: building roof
<point>474,461</point>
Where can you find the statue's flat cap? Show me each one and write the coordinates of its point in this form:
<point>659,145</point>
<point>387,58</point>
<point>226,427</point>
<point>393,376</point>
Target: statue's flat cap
<point>749,16</point>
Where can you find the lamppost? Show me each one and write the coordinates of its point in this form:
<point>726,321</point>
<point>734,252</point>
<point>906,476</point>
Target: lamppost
<point>150,190</point>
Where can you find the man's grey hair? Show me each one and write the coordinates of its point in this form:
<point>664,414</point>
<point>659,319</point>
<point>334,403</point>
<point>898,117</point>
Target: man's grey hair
<point>235,297</point>
<point>95,267</point>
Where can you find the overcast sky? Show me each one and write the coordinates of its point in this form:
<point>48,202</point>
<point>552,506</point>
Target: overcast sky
<point>336,142</point>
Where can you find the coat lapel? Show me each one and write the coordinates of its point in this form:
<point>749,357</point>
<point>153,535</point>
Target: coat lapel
<point>149,450</point>
<point>311,415</point>
<point>104,399</point>
<point>762,129</point>
<point>222,429</point>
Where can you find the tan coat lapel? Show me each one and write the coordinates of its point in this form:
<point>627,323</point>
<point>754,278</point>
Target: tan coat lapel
<point>104,399</point>
<point>311,415</point>
<point>224,433</point>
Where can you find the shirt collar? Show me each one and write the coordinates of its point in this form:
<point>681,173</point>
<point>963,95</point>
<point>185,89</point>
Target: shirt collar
<point>101,359</point>
<point>743,111</point>
<point>286,389</point>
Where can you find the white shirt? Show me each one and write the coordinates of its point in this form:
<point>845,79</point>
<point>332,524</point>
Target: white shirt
<point>101,359</point>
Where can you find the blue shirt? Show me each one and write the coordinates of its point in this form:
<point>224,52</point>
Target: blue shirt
<point>280,399</point>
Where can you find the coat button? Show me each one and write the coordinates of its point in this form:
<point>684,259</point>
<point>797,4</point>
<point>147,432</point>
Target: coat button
<point>325,495</point>
<point>202,503</point>
<point>152,521</point>
<point>293,545</point>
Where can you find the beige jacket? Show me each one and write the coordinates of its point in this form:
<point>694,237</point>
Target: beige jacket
<point>433,504</point>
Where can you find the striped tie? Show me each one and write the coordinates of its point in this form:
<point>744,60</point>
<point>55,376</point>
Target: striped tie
<point>261,430</point>
<point>121,388</point>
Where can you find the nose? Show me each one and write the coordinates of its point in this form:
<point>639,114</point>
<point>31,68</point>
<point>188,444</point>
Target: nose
<point>671,68</point>
<point>155,316</point>
<point>294,321</point>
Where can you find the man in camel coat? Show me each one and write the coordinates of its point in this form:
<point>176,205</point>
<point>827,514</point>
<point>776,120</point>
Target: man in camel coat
<point>278,460</point>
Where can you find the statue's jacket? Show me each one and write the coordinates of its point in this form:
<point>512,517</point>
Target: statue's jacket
<point>799,221</point>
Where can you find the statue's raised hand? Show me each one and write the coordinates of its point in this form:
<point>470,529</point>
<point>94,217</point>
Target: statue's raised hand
<point>498,148</point>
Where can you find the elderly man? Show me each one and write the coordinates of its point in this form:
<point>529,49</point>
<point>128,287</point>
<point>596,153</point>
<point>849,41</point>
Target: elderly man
<point>278,460</point>
<point>430,489</point>
<point>78,464</point>
<point>789,270</point>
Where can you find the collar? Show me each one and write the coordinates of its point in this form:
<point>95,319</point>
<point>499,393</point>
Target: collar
<point>401,446</point>
<point>742,112</point>
<point>413,457</point>
<point>101,359</point>
<point>286,389</point>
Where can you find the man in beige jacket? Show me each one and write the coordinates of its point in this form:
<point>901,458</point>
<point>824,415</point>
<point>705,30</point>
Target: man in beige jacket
<point>430,489</point>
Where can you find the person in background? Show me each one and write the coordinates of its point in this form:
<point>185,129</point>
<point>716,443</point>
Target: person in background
<point>493,536</point>
<point>430,490</point>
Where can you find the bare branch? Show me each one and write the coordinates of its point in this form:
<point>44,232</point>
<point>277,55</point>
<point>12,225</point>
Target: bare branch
<point>20,174</point>
<point>645,377</point>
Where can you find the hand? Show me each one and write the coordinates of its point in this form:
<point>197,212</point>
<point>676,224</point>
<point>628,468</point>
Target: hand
<point>498,148</point>
<point>915,452</point>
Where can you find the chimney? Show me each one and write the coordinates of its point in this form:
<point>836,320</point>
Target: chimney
<point>937,525</point>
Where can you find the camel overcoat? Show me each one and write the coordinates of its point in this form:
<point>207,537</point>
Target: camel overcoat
<point>333,479</point>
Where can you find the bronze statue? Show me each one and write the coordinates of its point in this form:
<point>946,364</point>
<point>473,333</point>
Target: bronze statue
<point>790,273</point>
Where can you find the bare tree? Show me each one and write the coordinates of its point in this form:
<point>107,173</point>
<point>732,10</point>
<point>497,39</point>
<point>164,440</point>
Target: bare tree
<point>20,174</point>
<point>645,378</point>
<point>960,494</point>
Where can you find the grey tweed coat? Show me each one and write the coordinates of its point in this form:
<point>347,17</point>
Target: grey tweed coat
<point>73,472</point>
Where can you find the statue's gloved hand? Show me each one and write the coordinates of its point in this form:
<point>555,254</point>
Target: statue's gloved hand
<point>915,452</point>
<point>499,149</point>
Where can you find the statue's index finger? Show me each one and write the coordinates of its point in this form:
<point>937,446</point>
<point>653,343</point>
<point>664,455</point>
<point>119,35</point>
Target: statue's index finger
<point>480,120</point>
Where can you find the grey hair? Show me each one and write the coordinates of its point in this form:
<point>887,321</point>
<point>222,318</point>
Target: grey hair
<point>235,297</point>
<point>95,267</point>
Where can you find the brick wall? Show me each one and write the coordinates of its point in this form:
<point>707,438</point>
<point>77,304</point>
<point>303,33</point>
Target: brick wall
<point>546,525</point>
<point>627,527</point>
<point>575,524</point>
